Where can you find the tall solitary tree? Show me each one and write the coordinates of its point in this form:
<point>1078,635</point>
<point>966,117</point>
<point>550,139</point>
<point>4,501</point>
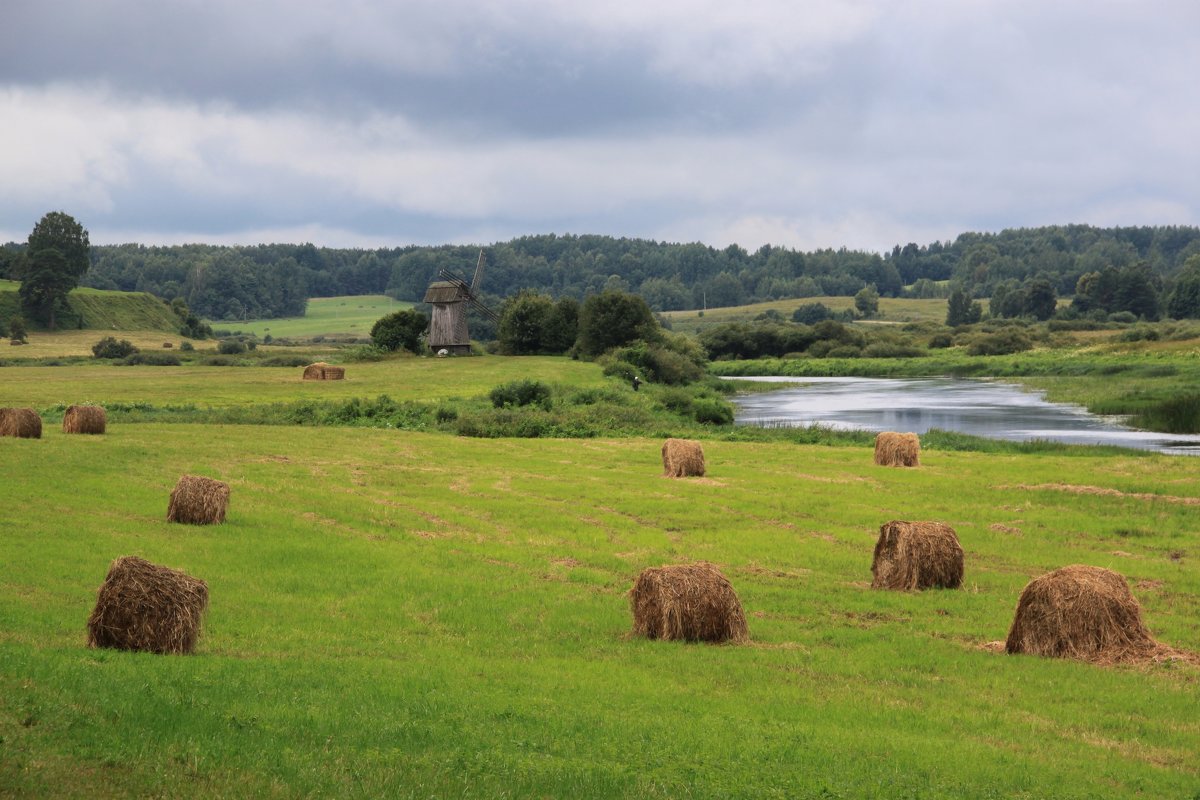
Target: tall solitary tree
<point>55,260</point>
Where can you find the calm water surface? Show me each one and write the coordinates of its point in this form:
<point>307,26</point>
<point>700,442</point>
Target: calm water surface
<point>979,407</point>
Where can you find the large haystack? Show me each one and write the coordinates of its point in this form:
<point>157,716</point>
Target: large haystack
<point>682,458</point>
<point>198,501</point>
<point>142,606</point>
<point>897,450</point>
<point>321,371</point>
<point>84,419</point>
<point>24,423</point>
<point>917,555</point>
<point>1080,612</point>
<point>687,601</point>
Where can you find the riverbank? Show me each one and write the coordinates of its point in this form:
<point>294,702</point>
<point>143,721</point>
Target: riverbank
<point>1155,390</point>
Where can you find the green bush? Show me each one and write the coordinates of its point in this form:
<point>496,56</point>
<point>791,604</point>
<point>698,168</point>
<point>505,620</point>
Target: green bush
<point>710,411</point>
<point>678,400</point>
<point>109,347</point>
<point>139,359</point>
<point>186,347</point>
<point>521,393</point>
<point>940,340</point>
<point>230,347</point>
<point>1003,342</point>
<point>845,351</point>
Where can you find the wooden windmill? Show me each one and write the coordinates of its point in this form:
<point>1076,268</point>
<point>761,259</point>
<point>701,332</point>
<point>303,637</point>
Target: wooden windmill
<point>450,298</point>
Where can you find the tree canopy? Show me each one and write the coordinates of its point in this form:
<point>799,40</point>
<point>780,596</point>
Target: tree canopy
<point>400,329</point>
<point>56,257</point>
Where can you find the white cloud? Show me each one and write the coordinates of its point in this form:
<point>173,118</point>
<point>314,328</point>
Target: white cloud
<point>840,122</point>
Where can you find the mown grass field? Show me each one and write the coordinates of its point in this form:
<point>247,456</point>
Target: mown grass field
<point>325,316</point>
<point>420,615</point>
<point>201,386</point>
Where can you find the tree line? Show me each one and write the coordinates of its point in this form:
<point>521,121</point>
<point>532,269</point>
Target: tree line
<point>272,280</point>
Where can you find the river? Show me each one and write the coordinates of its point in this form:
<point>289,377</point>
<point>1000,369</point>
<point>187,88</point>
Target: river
<point>980,407</point>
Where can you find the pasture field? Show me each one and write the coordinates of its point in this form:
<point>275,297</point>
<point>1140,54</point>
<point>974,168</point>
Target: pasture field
<point>325,316</point>
<point>407,614</point>
<point>203,386</point>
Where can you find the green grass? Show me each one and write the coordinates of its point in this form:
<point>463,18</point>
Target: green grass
<point>203,386</point>
<point>420,615</point>
<point>98,309</point>
<point>892,310</point>
<point>325,316</point>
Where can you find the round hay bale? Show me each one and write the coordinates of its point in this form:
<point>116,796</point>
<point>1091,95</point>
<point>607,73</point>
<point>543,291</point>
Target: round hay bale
<point>693,602</point>
<point>84,419</point>
<point>23,423</point>
<point>897,449</point>
<point>198,501</point>
<point>147,607</point>
<point>321,371</point>
<point>1081,612</point>
<point>682,458</point>
<point>917,555</point>
<point>168,345</point>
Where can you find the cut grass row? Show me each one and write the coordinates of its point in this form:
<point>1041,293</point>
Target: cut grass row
<point>420,615</point>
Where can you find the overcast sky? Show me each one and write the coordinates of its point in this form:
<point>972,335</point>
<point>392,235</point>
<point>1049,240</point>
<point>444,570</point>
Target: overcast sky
<point>856,123</point>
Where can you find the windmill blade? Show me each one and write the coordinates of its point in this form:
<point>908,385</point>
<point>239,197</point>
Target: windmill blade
<point>478,272</point>
<point>482,309</point>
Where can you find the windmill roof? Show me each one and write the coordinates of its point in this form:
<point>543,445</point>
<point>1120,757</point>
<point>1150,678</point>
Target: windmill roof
<point>444,292</point>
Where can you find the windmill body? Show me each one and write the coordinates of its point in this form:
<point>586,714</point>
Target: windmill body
<point>450,299</point>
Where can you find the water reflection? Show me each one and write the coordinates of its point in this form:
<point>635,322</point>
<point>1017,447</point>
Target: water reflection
<point>982,408</point>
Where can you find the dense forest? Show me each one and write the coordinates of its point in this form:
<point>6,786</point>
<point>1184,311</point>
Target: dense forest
<point>229,283</point>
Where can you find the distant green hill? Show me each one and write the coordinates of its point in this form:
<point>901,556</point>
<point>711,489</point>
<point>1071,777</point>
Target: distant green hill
<point>97,308</point>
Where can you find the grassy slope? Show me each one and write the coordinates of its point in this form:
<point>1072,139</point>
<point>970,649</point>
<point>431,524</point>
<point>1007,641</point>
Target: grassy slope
<point>419,615</point>
<point>325,316</point>
<point>109,311</point>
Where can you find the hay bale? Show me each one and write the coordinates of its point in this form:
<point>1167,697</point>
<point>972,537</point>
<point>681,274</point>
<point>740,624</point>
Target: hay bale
<point>24,423</point>
<point>198,501</point>
<point>146,607</point>
<point>168,345</point>
<point>682,458</point>
<point>1081,612</point>
<point>897,449</point>
<point>917,555</point>
<point>84,419</point>
<point>693,602</point>
<point>321,371</point>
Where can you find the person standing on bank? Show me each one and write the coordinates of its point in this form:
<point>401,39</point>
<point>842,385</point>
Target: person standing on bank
<point>636,382</point>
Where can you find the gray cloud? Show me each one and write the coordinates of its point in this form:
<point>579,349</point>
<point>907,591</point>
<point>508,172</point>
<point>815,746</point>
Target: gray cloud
<point>844,122</point>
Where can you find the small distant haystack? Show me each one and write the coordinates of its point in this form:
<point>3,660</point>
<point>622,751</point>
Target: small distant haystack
<point>168,345</point>
<point>687,601</point>
<point>24,423</point>
<point>1080,612</point>
<point>198,501</point>
<point>682,458</point>
<point>917,555</point>
<point>142,606</point>
<point>84,419</point>
<point>321,371</point>
<point>897,450</point>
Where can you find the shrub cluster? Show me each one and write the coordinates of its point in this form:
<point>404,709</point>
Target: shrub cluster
<point>526,392</point>
<point>110,347</point>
